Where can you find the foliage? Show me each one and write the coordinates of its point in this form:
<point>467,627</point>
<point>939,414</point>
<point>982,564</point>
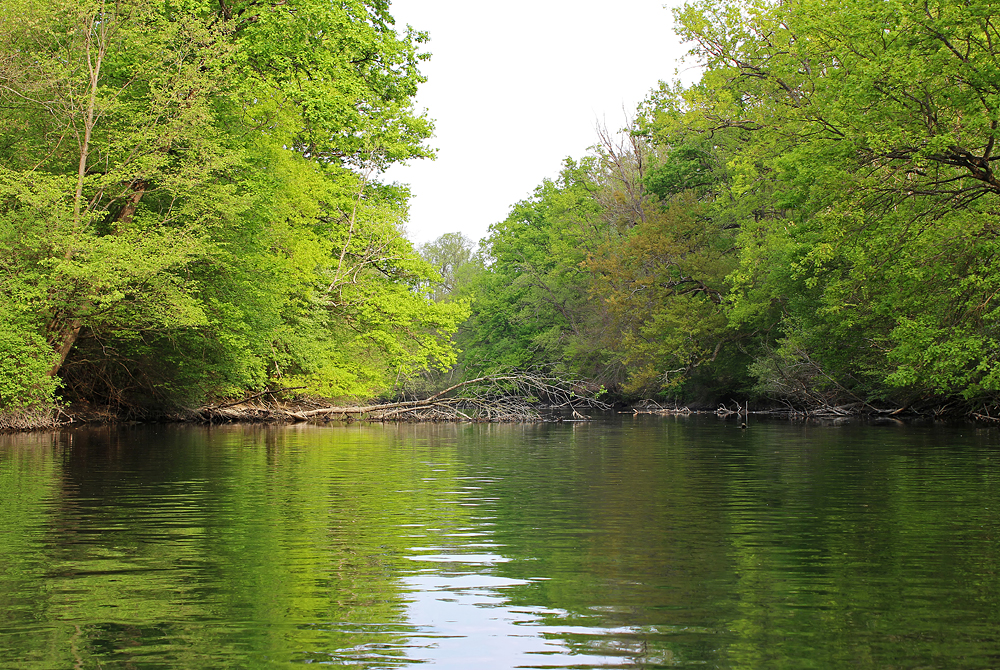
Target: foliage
<point>190,205</point>
<point>870,130</point>
<point>457,261</point>
<point>611,274</point>
<point>532,307</point>
<point>817,212</point>
<point>189,201</point>
<point>663,284</point>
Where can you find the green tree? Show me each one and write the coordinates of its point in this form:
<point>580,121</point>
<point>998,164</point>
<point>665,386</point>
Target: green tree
<point>191,201</point>
<point>457,261</point>
<point>664,284</point>
<point>531,308</point>
<point>869,133</point>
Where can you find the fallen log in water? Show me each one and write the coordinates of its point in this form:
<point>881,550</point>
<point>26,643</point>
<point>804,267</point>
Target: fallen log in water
<point>507,397</point>
<point>662,411</point>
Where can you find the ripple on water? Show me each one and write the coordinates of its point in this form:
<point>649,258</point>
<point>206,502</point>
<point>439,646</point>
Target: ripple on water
<point>636,542</point>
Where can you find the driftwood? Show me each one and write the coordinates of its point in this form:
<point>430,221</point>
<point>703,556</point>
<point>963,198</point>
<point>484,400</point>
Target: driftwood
<point>244,401</point>
<point>819,411</point>
<point>505,397</point>
<point>502,397</point>
<point>653,407</point>
<point>663,411</point>
<point>34,417</point>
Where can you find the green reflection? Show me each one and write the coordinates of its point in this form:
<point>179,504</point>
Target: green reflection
<point>633,542</point>
<point>690,541</point>
<point>210,548</point>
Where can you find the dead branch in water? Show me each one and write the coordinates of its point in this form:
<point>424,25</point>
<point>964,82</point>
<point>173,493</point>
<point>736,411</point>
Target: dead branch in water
<point>501,397</point>
<point>268,391</point>
<point>34,417</point>
<point>504,397</point>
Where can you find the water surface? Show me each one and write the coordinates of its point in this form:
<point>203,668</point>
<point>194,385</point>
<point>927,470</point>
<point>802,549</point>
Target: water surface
<point>633,542</point>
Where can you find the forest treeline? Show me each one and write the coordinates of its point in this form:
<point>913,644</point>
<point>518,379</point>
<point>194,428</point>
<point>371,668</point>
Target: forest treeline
<point>191,207</point>
<point>190,202</point>
<point>813,222</point>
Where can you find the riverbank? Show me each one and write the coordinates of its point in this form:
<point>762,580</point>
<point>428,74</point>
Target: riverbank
<point>35,417</point>
<point>506,397</point>
<point>265,408</point>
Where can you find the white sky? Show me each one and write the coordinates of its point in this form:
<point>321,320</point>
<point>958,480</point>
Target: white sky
<point>515,87</point>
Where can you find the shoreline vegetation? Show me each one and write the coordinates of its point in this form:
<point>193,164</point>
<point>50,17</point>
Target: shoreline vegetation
<point>194,214</point>
<point>509,397</point>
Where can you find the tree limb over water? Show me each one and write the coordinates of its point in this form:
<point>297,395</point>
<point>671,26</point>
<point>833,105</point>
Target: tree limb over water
<point>502,397</point>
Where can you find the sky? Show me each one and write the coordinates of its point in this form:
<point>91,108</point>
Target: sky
<point>515,87</point>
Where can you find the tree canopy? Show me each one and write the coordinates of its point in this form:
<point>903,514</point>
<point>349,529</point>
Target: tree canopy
<point>190,202</point>
<point>815,220</point>
<point>191,205</point>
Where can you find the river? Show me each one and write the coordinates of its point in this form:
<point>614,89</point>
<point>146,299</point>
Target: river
<point>627,542</point>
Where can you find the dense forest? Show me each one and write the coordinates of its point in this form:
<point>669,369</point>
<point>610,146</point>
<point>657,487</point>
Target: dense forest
<point>191,207</point>
<point>813,223</point>
<point>190,203</point>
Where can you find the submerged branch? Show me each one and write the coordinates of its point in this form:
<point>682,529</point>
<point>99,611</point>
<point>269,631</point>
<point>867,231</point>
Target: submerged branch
<point>504,397</point>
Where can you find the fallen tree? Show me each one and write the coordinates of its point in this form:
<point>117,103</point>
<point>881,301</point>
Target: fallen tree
<point>43,416</point>
<point>504,397</point>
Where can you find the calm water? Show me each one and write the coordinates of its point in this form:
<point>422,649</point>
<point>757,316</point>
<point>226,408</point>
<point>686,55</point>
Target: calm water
<point>632,542</point>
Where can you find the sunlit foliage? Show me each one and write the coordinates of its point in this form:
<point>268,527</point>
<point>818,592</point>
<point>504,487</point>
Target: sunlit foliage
<point>190,203</point>
<point>815,219</point>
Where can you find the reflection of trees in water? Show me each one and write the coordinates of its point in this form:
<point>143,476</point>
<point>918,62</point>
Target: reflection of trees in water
<point>768,547</point>
<point>645,543</point>
<point>203,547</point>
<point>625,534</point>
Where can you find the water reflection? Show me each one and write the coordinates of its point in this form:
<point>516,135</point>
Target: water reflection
<point>637,542</point>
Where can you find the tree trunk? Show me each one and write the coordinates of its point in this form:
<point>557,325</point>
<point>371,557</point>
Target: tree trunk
<point>64,340</point>
<point>64,336</point>
<point>94,70</point>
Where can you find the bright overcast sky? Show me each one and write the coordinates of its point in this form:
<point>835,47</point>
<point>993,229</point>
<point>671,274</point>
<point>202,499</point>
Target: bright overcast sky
<point>516,86</point>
